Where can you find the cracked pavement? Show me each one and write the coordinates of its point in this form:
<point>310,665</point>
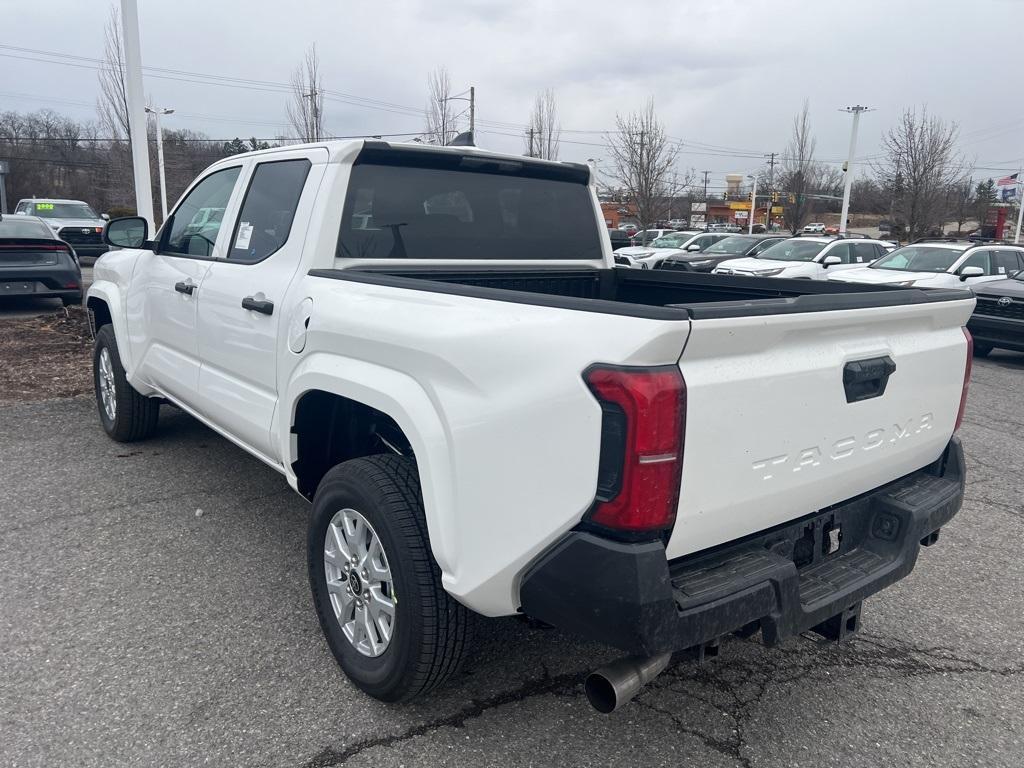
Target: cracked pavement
<point>134,632</point>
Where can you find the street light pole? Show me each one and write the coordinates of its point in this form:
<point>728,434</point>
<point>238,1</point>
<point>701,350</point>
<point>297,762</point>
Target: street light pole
<point>156,112</point>
<point>136,116</point>
<point>848,182</point>
<point>753,204</point>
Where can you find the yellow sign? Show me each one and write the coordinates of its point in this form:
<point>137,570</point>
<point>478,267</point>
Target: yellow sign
<point>777,210</point>
<point>740,206</point>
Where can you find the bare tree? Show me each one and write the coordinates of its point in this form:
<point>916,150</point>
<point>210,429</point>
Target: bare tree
<point>306,105</point>
<point>442,122</point>
<point>800,172</point>
<point>544,132</point>
<point>960,201</point>
<point>643,157</point>
<point>921,150</point>
<point>112,103</point>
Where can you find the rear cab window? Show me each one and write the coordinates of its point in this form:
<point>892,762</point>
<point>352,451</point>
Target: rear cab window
<point>405,204</point>
<point>265,220</point>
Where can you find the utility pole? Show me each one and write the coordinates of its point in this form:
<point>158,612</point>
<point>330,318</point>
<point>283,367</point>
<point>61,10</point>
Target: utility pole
<point>472,113</point>
<point>4,168</point>
<point>313,111</point>
<point>156,112</point>
<point>706,211</point>
<point>771,188</point>
<point>136,116</point>
<point>530,132</point>
<point>753,206</point>
<point>848,183</point>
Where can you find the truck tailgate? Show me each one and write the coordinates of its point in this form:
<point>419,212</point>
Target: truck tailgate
<point>770,434</point>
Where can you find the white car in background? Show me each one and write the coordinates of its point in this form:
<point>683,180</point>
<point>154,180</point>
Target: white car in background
<point>940,264</point>
<point>814,228</point>
<point>651,256</point>
<point>807,258</point>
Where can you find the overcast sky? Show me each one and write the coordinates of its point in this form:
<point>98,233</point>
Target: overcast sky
<point>724,75</point>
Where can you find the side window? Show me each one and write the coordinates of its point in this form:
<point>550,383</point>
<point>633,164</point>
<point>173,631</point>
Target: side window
<point>1005,262</point>
<point>23,207</point>
<point>979,258</point>
<point>197,219</point>
<point>842,250</point>
<point>864,253</point>
<point>265,219</point>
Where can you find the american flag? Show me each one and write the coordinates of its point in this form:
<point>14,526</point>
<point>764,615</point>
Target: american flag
<point>1007,180</point>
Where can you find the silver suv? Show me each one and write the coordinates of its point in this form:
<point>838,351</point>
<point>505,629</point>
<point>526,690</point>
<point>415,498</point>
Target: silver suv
<point>74,221</point>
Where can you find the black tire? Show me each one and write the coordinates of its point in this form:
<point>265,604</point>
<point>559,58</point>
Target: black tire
<point>135,416</point>
<point>432,631</point>
<point>982,350</point>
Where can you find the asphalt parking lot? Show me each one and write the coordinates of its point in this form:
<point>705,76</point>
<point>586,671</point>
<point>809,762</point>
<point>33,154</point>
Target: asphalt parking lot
<point>136,629</point>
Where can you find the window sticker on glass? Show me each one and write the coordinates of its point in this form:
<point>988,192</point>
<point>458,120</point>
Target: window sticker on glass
<point>244,235</point>
<point>44,206</point>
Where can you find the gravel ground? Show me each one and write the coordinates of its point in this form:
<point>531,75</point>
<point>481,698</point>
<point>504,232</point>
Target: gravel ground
<point>135,630</point>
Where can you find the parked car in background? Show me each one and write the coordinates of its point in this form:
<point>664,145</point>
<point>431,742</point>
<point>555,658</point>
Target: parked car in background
<point>647,236</point>
<point>652,255</point>
<point>74,221</point>
<point>997,322</point>
<point>678,224</point>
<point>727,228</point>
<point>806,258</point>
<point>998,319</point>
<point>630,228</point>
<point>35,263</point>
<point>730,247</point>
<point>940,264</point>
<point>618,238</point>
<point>814,228</point>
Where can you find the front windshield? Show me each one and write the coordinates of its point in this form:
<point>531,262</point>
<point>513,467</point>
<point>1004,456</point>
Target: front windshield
<point>730,245</point>
<point>920,258</point>
<point>792,250</point>
<point>62,211</point>
<point>670,241</point>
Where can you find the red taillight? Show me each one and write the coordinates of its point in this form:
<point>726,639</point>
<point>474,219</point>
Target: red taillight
<point>651,403</point>
<point>967,378</point>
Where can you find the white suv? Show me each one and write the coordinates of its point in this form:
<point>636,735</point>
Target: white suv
<point>940,264</point>
<point>816,228</point>
<point>807,258</point>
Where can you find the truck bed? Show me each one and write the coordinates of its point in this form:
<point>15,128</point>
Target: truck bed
<point>657,294</point>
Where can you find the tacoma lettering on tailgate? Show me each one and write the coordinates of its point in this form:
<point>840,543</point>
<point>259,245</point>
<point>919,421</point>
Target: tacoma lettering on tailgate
<point>843,448</point>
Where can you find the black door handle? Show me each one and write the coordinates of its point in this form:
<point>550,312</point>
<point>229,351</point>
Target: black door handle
<point>263,306</point>
<point>864,379</point>
<point>186,288</point>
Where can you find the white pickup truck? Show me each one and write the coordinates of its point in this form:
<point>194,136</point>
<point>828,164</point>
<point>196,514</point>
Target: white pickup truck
<point>433,346</point>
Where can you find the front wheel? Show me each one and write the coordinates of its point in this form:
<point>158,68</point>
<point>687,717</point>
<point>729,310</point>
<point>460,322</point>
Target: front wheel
<point>388,621</point>
<point>126,415</point>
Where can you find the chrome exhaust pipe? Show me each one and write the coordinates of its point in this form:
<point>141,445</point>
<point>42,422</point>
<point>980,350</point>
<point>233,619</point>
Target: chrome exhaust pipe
<point>615,684</point>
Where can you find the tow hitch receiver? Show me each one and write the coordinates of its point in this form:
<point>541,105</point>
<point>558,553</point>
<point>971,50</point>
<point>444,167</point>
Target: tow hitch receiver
<point>842,626</point>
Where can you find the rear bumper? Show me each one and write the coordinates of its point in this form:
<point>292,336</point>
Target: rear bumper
<point>42,280</point>
<point>997,332</point>
<point>629,596</point>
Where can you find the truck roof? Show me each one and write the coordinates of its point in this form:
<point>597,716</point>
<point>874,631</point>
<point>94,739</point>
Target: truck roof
<point>345,150</point>
<point>49,200</point>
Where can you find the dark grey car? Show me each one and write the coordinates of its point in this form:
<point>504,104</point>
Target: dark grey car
<point>998,319</point>
<point>732,247</point>
<point>34,263</point>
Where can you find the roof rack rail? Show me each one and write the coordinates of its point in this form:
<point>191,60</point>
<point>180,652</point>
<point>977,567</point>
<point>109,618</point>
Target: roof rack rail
<point>955,239</point>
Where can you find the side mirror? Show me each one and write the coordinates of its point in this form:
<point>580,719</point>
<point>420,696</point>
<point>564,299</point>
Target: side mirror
<point>128,232</point>
<point>105,216</point>
<point>693,247</point>
<point>966,272</point>
<point>830,260</point>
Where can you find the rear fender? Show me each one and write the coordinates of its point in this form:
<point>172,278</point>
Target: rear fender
<point>404,400</point>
